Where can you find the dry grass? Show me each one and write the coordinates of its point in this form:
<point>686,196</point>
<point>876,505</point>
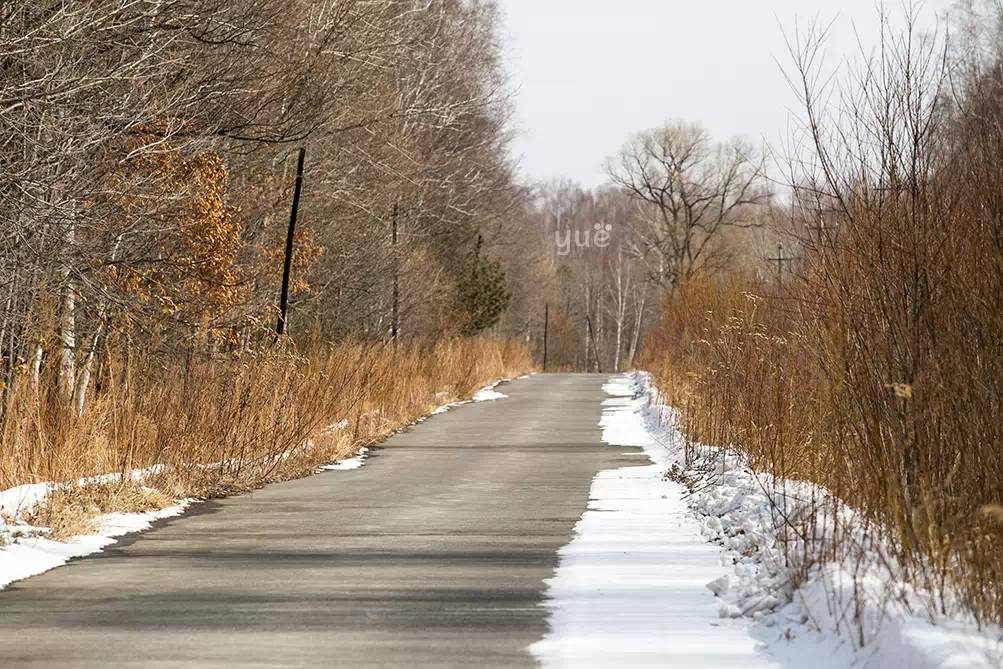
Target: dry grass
<point>228,424</point>
<point>877,371</point>
<point>820,393</point>
<point>69,510</point>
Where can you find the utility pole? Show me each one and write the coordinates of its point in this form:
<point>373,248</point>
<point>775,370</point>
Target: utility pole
<point>595,349</point>
<point>822,229</point>
<point>780,259</point>
<point>546,327</point>
<point>395,305</point>
<point>280,327</point>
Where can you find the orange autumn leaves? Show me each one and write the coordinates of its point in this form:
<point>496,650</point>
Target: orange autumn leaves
<point>195,278</point>
<point>203,277</point>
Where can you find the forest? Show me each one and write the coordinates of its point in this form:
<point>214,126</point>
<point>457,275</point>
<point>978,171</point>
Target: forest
<point>149,166</point>
<point>833,311</point>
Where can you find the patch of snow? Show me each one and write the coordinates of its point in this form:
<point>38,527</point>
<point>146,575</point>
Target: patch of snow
<point>354,462</point>
<point>852,612</point>
<point>23,555</point>
<point>630,589</point>
<point>487,395</point>
<point>20,499</point>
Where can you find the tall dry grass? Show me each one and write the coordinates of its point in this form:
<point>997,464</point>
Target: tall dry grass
<point>229,423</point>
<point>897,418</point>
<point>876,368</point>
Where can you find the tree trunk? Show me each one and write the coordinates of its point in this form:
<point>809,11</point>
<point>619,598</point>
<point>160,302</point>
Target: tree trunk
<point>85,373</point>
<point>638,321</point>
<point>68,332</point>
<point>588,363</point>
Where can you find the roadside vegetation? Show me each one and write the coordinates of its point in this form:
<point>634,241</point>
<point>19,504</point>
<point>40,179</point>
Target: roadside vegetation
<point>148,180</point>
<point>211,428</point>
<point>845,328</point>
<point>868,358</point>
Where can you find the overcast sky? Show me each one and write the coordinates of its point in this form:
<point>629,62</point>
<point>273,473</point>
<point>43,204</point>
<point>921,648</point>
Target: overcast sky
<point>587,73</point>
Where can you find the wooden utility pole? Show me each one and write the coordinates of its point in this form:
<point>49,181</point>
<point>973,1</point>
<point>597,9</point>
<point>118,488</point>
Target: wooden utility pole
<point>280,327</point>
<point>546,327</point>
<point>780,259</point>
<point>824,231</point>
<point>595,349</point>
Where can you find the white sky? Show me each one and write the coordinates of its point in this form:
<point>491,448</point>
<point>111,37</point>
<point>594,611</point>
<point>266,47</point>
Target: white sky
<point>588,73</point>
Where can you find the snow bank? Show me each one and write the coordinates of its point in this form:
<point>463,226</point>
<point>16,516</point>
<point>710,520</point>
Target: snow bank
<point>22,498</point>
<point>629,590</point>
<point>693,567</point>
<point>24,550</point>
<point>854,611</point>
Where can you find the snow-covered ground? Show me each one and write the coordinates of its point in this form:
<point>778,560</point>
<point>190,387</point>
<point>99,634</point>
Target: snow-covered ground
<point>485,394</point>
<point>661,573</point>
<point>345,464</point>
<point>631,587</point>
<point>488,394</point>
<point>25,551</point>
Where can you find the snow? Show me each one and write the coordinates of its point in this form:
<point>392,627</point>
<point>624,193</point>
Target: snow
<point>487,395</point>
<point>639,585</point>
<point>23,555</point>
<point>22,498</point>
<point>349,463</point>
<point>630,589</point>
<point>854,612</point>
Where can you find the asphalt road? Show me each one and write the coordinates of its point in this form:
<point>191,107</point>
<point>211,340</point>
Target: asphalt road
<point>432,555</point>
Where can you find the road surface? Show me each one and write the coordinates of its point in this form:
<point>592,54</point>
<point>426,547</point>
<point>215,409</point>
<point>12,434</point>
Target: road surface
<point>433,554</point>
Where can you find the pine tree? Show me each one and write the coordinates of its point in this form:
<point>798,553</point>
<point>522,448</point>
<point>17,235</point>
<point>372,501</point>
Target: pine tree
<point>483,292</point>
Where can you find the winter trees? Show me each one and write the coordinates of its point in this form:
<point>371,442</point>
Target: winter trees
<point>677,205</point>
<point>689,190</point>
<point>147,169</point>
<point>590,277</point>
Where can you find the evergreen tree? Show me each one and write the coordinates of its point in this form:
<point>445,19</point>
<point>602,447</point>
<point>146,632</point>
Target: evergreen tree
<point>483,292</point>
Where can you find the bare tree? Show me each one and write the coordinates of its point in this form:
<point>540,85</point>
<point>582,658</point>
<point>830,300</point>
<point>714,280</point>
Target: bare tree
<point>688,189</point>
<point>133,128</point>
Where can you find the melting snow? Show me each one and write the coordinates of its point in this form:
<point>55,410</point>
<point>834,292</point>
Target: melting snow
<point>639,585</point>
<point>30,555</point>
<point>487,394</point>
<point>349,463</point>
<point>631,587</point>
